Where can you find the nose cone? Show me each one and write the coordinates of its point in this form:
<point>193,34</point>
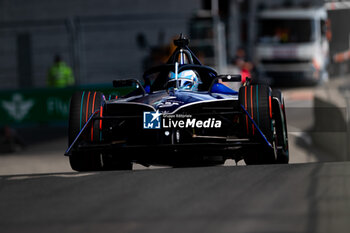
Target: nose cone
<point>180,98</point>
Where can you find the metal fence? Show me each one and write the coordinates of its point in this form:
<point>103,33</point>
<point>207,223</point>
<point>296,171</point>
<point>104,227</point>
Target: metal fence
<point>99,48</point>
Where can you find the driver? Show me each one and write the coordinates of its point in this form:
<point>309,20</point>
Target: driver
<point>187,80</point>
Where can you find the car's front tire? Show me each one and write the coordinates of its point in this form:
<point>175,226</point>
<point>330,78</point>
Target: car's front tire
<point>83,104</point>
<point>256,100</point>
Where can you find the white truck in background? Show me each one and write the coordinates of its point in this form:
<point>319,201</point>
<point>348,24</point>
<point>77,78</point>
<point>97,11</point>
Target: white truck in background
<point>291,46</point>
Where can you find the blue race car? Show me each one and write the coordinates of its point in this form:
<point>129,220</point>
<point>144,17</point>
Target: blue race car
<point>184,114</point>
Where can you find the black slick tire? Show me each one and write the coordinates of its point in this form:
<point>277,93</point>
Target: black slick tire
<point>83,104</point>
<point>256,100</point>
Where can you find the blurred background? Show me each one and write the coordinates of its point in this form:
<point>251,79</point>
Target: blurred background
<point>300,46</point>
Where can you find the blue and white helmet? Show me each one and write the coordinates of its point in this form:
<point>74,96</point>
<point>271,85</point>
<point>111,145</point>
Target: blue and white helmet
<point>187,80</point>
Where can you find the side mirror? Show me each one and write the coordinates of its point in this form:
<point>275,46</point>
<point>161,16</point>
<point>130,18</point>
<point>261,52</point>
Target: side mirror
<point>218,86</point>
<point>124,83</point>
<point>129,83</point>
<point>229,78</point>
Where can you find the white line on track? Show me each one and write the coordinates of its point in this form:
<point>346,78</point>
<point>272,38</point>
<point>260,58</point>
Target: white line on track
<point>50,175</point>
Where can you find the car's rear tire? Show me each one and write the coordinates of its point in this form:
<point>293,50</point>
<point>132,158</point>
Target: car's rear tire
<point>256,100</point>
<point>83,104</point>
<point>281,128</point>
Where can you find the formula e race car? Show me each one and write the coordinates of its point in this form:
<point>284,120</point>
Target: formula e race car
<point>184,114</point>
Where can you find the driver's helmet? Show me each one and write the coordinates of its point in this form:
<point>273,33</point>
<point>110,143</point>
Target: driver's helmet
<point>187,80</point>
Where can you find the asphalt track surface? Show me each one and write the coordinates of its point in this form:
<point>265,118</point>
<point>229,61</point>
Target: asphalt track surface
<point>302,197</point>
<point>312,197</point>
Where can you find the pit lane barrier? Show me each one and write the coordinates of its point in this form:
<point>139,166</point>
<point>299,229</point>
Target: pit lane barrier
<point>26,107</point>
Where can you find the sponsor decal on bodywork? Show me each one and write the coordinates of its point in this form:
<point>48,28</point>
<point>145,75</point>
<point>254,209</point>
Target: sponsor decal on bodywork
<point>156,120</point>
<point>18,108</point>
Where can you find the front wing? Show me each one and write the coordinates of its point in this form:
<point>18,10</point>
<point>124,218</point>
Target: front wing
<point>227,144</point>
